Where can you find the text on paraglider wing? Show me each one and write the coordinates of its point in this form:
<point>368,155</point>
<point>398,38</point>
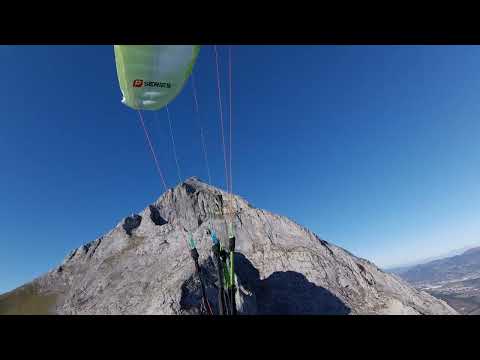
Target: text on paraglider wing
<point>140,83</point>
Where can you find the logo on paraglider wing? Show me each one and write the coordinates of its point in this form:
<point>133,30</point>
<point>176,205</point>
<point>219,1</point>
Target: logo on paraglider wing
<point>158,84</point>
<point>137,83</point>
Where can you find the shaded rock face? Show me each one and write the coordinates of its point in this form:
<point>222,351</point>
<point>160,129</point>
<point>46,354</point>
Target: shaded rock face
<point>131,223</point>
<point>143,266</point>
<point>155,216</point>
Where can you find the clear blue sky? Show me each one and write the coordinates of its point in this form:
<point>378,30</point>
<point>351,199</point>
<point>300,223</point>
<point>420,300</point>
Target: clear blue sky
<point>375,148</point>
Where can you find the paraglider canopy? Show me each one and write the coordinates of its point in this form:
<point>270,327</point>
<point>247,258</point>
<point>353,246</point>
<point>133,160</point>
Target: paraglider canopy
<point>151,76</point>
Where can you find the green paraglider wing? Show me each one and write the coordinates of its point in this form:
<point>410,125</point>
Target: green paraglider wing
<point>151,76</point>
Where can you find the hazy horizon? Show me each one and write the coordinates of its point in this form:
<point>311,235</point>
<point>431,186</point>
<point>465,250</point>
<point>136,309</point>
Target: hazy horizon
<point>432,257</point>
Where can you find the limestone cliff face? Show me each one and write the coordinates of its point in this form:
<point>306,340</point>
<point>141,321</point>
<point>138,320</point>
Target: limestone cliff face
<point>143,266</point>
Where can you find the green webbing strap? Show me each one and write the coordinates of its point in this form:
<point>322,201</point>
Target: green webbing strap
<point>191,242</point>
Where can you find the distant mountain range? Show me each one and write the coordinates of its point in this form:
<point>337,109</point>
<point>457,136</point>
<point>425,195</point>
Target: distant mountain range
<point>454,279</point>
<point>406,266</point>
<point>453,268</point>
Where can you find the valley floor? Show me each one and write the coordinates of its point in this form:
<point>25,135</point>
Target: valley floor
<point>462,295</point>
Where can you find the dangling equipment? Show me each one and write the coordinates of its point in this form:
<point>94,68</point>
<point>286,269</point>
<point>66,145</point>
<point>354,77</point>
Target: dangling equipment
<point>195,256</point>
<point>217,255</point>
<point>231,283</point>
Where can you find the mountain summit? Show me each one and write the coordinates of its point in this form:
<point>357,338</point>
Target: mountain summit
<point>143,266</point>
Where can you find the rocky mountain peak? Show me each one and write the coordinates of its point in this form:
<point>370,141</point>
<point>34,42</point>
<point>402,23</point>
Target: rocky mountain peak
<point>143,266</point>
